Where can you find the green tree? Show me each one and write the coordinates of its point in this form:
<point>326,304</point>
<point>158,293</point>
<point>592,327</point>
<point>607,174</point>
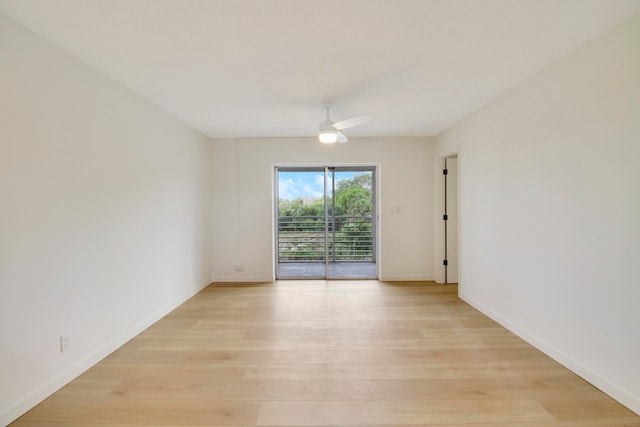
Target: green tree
<point>353,201</point>
<point>298,207</point>
<point>353,196</point>
<point>362,180</point>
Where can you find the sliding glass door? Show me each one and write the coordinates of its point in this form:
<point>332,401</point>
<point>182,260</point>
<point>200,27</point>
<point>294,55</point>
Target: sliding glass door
<point>325,226</point>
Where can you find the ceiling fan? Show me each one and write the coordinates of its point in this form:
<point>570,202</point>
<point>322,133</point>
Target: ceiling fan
<point>329,131</point>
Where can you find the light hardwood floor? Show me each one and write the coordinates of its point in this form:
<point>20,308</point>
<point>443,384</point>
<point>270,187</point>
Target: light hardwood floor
<point>342,353</point>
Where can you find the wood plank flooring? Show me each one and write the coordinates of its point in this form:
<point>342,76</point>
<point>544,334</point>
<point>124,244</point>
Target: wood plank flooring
<point>317,353</point>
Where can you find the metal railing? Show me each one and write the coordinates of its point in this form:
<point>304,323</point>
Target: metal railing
<point>302,238</point>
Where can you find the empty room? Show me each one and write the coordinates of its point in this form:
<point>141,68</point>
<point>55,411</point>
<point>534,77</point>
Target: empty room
<point>319,213</point>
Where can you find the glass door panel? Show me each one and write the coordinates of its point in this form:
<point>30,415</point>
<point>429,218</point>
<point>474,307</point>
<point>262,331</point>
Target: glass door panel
<point>351,237</point>
<point>325,223</point>
<point>301,230</point>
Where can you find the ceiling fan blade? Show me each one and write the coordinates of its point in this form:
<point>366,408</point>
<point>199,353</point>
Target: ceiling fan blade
<point>286,128</point>
<point>342,138</point>
<point>351,122</point>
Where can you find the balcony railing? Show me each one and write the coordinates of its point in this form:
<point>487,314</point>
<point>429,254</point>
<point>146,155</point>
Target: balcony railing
<point>302,238</point>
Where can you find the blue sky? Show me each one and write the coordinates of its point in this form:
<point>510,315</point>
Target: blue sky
<point>304,184</point>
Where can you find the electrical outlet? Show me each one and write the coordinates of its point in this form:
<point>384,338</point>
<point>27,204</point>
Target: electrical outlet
<point>65,342</point>
<point>239,267</point>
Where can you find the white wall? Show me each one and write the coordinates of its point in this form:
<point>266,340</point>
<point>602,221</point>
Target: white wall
<point>550,204</point>
<point>104,216</point>
<point>243,190</point>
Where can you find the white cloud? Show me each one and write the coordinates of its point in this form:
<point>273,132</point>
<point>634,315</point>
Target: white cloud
<point>319,182</point>
<point>285,187</point>
<point>304,185</point>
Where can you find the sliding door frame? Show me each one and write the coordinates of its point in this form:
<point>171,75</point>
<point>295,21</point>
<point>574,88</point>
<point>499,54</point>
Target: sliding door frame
<point>327,168</point>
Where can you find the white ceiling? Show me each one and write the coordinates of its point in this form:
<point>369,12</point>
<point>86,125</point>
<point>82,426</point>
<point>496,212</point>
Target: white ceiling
<point>233,68</point>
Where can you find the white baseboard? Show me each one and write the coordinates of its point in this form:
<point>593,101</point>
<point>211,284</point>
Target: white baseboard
<point>616,392</point>
<point>265,279</point>
<point>243,279</point>
<point>408,278</point>
<point>27,402</point>
<point>268,278</point>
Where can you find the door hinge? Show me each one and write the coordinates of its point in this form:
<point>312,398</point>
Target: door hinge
<point>445,171</point>
<point>445,262</point>
<point>445,217</point>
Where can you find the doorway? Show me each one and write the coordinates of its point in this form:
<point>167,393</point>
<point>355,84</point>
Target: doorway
<point>451,220</point>
<point>325,226</point>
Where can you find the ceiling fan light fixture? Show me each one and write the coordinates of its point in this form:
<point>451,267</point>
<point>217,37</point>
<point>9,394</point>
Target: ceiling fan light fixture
<point>328,136</point>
